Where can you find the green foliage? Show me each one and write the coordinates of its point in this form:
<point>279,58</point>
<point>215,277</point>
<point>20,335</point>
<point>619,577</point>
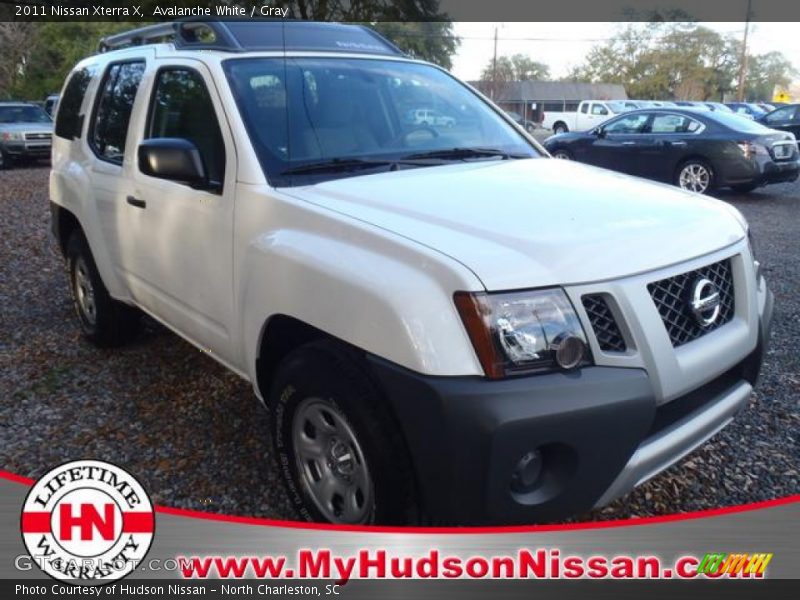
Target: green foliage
<point>428,40</point>
<point>49,52</point>
<point>680,60</point>
<point>36,57</point>
<point>518,67</point>
<point>765,72</point>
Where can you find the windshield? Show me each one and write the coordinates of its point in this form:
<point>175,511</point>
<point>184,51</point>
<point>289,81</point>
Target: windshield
<point>23,114</point>
<point>310,111</point>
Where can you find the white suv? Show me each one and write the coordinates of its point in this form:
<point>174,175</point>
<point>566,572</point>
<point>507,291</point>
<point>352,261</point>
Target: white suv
<point>447,326</point>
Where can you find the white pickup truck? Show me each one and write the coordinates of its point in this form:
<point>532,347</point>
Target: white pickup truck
<point>590,114</point>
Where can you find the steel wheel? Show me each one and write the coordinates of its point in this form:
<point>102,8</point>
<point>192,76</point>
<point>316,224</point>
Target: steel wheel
<point>331,462</point>
<point>84,291</point>
<point>695,177</point>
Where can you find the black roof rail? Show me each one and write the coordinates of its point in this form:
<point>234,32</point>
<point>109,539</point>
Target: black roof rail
<point>242,35</point>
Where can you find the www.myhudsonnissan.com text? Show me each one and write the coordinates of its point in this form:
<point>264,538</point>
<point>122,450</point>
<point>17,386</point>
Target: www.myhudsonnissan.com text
<point>379,564</point>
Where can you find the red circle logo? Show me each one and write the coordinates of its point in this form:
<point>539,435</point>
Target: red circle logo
<point>87,520</point>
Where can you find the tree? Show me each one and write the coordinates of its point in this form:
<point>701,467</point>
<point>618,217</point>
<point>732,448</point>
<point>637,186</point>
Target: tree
<point>684,61</point>
<point>518,67</point>
<point>767,71</point>
<point>511,68</point>
<point>428,40</point>
<point>14,40</point>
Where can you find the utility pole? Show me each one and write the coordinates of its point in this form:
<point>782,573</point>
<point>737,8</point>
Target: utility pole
<point>743,61</point>
<point>494,66</point>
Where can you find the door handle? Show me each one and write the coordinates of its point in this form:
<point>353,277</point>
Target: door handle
<point>628,143</point>
<point>133,201</point>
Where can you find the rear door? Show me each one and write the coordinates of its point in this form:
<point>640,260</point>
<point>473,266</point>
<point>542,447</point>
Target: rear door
<point>668,139</point>
<point>178,241</point>
<point>109,155</point>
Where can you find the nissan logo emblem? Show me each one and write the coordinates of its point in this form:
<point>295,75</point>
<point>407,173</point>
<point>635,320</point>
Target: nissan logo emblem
<point>705,303</point>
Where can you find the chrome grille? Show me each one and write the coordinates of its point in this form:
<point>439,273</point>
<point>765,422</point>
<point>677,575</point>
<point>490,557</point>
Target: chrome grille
<point>671,297</point>
<point>605,327</point>
<point>38,136</point>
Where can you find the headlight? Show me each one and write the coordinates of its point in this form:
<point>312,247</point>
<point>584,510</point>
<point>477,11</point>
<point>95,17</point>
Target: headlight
<point>523,332</point>
<point>11,136</point>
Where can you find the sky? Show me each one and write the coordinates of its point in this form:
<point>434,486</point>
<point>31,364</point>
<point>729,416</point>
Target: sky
<point>564,45</point>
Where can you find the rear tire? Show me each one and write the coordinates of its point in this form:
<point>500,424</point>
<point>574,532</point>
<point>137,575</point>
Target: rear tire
<point>559,128</point>
<point>695,175</point>
<point>744,188</point>
<point>104,321</point>
<point>340,453</point>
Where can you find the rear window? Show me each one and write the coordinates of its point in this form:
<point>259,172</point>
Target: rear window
<point>69,107</point>
<point>113,112</point>
<point>738,122</point>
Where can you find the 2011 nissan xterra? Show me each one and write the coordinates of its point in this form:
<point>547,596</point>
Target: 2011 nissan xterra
<point>446,325</point>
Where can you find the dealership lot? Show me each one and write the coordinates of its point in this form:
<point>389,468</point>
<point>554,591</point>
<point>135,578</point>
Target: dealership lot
<point>194,435</point>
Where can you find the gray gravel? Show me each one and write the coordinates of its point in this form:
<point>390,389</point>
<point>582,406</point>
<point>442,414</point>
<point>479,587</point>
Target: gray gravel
<point>197,438</point>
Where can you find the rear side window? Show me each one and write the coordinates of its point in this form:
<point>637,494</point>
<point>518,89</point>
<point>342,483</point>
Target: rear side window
<point>585,108</point>
<point>113,113</point>
<point>182,108</point>
<point>68,123</point>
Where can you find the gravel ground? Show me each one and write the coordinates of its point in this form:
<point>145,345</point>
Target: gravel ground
<point>195,436</point>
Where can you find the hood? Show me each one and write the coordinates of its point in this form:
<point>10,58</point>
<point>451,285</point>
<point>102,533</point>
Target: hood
<point>536,222</point>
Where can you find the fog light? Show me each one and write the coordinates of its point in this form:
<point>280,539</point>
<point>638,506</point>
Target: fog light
<point>527,473</point>
<point>568,350</point>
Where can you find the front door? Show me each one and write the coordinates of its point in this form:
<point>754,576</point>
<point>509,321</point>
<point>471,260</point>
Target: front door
<point>177,242</point>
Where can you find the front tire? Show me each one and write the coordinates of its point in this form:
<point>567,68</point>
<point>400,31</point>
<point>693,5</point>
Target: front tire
<point>340,453</point>
<point>562,154</point>
<point>104,321</point>
<point>695,175</point>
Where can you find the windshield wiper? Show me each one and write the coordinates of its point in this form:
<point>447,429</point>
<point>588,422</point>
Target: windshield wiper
<point>462,153</point>
<point>336,165</point>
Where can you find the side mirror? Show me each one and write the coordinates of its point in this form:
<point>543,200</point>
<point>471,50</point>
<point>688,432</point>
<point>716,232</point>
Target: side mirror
<point>600,132</point>
<point>174,159</point>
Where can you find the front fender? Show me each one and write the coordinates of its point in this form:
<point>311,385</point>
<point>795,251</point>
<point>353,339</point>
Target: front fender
<point>377,291</point>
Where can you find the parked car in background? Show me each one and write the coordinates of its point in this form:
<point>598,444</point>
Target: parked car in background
<point>692,104</point>
<point>785,118</point>
<point>432,118</point>
<point>718,106</point>
<point>590,113</point>
<point>695,150</point>
<point>26,132</point>
<point>747,109</point>
<point>51,104</point>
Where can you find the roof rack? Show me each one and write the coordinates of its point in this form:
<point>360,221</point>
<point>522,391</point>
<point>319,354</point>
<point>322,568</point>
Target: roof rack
<point>243,35</point>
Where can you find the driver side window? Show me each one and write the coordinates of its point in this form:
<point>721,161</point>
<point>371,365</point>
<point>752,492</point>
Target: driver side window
<point>627,124</point>
<point>182,108</point>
